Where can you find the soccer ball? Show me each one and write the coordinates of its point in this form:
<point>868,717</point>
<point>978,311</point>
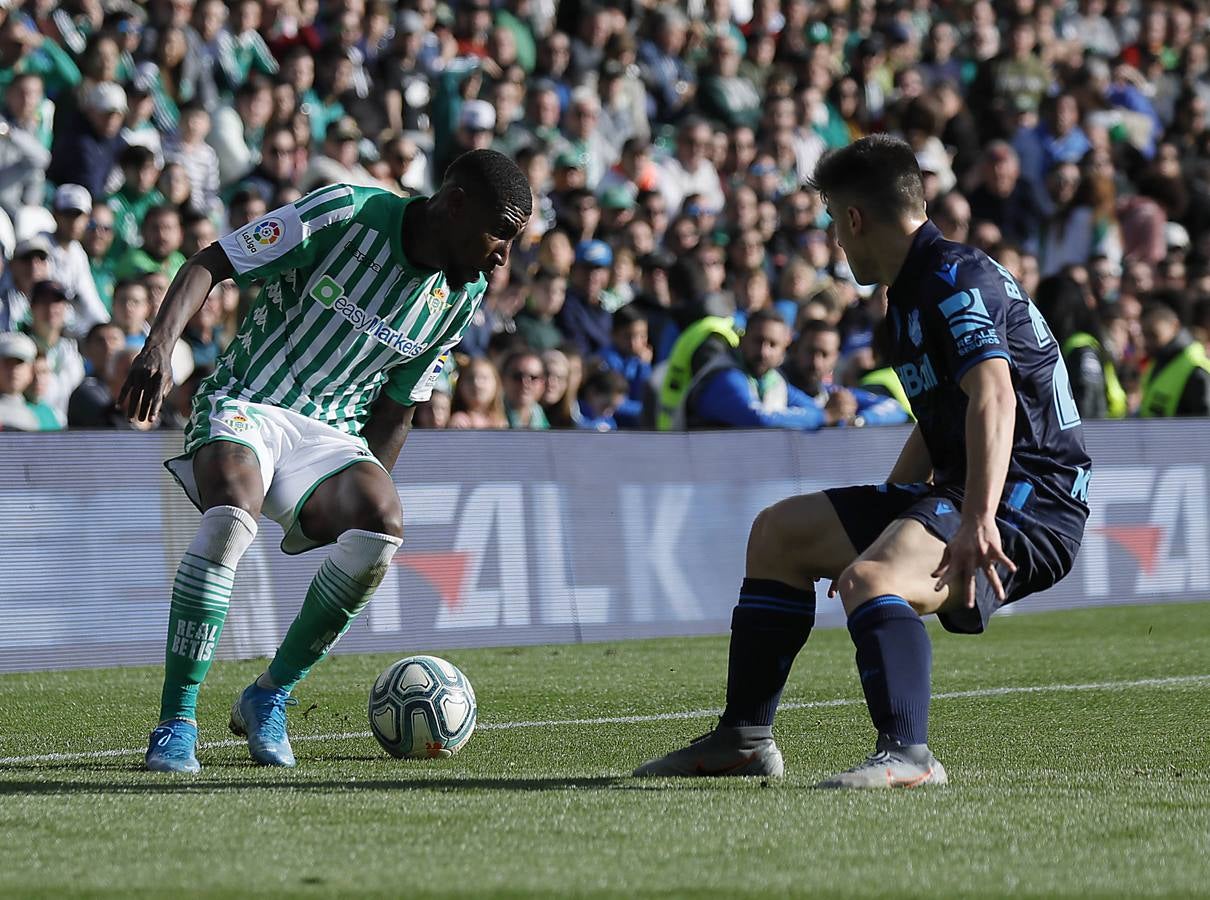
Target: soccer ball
<point>422,707</point>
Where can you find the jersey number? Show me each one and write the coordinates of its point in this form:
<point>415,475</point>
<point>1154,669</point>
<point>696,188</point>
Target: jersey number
<point>1060,381</point>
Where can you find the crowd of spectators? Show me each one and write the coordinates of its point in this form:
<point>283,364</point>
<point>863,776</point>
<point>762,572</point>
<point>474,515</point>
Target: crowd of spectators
<point>666,146</point>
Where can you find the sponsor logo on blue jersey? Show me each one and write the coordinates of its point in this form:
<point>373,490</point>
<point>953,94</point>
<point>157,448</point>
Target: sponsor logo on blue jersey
<point>976,340</point>
<point>949,274</point>
<point>917,377</point>
<point>965,312</point>
<point>944,507</point>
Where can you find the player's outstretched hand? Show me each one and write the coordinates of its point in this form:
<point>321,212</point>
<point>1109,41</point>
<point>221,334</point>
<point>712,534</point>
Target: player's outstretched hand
<point>147,384</point>
<point>974,548</point>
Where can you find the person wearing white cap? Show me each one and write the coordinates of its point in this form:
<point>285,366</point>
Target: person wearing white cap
<point>85,147</point>
<point>17,353</point>
<point>69,266</point>
<point>30,264</point>
<point>476,131</point>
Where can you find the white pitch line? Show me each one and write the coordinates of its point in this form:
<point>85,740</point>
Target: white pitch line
<point>1175,681</point>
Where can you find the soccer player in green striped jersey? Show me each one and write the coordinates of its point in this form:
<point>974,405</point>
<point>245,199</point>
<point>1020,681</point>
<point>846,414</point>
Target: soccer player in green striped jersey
<point>362,296</point>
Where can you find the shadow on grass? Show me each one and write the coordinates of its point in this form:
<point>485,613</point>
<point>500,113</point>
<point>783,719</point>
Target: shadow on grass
<point>187,785</point>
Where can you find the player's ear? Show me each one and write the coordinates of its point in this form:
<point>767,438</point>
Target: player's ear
<point>855,219</point>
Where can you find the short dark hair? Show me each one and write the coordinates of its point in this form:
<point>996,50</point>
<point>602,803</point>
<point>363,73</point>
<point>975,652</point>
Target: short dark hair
<point>604,381</point>
<point>817,326</point>
<point>135,156</point>
<point>879,171</point>
<point>761,316</point>
<point>163,209</point>
<point>626,316</point>
<point>125,284</point>
<point>493,178</point>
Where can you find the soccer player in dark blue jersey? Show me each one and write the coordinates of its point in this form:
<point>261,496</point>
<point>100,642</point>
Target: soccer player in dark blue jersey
<point>985,505</point>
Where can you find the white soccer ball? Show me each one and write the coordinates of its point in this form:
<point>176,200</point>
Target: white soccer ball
<point>422,707</point>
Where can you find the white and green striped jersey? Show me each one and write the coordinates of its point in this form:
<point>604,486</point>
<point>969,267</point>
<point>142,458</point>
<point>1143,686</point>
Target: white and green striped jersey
<point>343,314</point>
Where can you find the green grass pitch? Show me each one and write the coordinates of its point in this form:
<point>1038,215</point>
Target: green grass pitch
<point>1096,784</point>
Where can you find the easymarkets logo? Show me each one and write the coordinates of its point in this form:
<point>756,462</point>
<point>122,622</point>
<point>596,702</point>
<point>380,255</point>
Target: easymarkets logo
<point>328,293</point>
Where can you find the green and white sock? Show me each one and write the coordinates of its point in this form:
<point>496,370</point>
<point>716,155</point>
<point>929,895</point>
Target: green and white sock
<point>201,594</point>
<point>340,590</point>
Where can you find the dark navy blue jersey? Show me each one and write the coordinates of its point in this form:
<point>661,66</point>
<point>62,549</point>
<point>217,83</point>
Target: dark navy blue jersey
<point>952,307</point>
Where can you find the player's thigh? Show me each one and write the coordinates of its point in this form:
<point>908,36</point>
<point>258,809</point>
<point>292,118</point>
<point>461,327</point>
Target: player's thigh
<point>228,474</point>
<point>901,562</point>
<point>799,538</point>
<point>361,496</point>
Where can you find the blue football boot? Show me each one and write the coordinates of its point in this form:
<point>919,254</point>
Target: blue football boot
<point>172,747</point>
<point>260,715</point>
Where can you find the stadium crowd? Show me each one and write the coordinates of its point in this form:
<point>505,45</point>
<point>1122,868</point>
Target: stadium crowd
<point>666,146</point>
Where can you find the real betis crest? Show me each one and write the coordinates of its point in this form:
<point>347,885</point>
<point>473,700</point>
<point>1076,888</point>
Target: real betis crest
<point>438,299</point>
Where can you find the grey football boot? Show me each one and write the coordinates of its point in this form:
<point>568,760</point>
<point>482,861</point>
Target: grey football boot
<point>747,750</point>
<point>892,764</point>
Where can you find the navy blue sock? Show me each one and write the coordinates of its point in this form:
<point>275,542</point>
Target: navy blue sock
<point>895,661</point>
<point>768,628</point>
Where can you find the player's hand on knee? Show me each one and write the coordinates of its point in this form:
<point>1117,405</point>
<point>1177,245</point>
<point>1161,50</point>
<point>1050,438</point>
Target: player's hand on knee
<point>147,384</point>
<point>974,548</point>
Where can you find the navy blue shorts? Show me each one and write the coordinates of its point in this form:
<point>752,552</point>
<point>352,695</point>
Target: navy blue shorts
<point>1042,557</point>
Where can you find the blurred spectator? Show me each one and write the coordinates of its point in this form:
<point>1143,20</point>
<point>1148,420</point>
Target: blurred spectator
<point>435,412</point>
<point>30,264</point>
<point>1176,380</point>
<point>630,356</point>
<point>92,404</point>
<point>203,332</point>
<point>161,246</point>
<point>669,80</point>
<point>48,305</point>
<point>725,94</point>
<point>338,160</point>
<point>86,147</point>
<point>23,50</point>
<point>199,233</point>
<point>24,157</point>
<point>812,369</point>
<point>604,392</point>
<point>583,320</point>
<point>69,264</point>
<point>1068,232</point>
<point>97,241</point>
<point>236,132</point>
<point>690,171</point>
<point>132,312</point>
<point>40,387</point>
<point>244,206</point>
<point>1005,199</point>
<point>138,194</point>
<point>174,184</point>
<point>524,378</point>
<point>275,172</point>
<point>745,389</point>
<point>478,397</point>
<point>536,323</point>
<point>189,148</point>
<point>582,130</point>
<point>17,354</point>
<point>26,107</point>
<point>564,373</point>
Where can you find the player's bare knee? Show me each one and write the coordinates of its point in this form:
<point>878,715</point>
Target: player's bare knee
<point>862,580</point>
<point>381,515</point>
<point>767,542</point>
